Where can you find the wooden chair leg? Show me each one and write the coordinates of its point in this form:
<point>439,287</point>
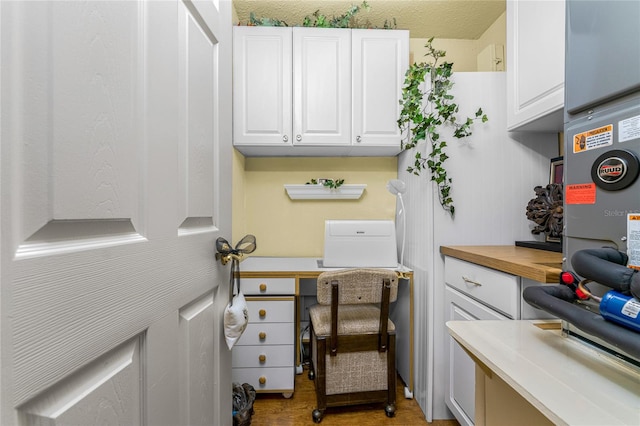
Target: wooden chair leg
<point>320,380</point>
<point>311,374</point>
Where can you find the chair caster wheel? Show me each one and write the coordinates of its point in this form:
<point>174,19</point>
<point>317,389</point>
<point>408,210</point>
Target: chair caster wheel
<point>317,416</point>
<point>390,410</point>
<point>312,375</point>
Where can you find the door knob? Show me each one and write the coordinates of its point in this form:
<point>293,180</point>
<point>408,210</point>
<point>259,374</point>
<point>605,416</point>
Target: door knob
<point>285,138</point>
<point>262,335</point>
<point>262,380</point>
<point>262,313</point>
<point>298,138</point>
<point>262,358</point>
<point>263,287</point>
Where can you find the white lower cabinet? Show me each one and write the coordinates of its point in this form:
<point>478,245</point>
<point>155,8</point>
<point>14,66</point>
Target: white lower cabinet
<point>474,292</point>
<point>264,356</point>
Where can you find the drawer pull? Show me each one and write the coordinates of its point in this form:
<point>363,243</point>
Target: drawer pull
<point>262,358</point>
<point>262,335</point>
<point>262,313</point>
<point>470,281</point>
<point>262,380</point>
<point>263,287</point>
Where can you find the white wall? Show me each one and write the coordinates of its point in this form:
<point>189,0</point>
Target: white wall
<point>494,173</point>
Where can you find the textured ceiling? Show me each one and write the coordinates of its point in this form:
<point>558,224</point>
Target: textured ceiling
<point>455,19</point>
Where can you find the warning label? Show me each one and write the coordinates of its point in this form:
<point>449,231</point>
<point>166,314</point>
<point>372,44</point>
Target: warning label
<point>581,193</point>
<point>629,129</point>
<point>633,240</point>
<point>592,139</point>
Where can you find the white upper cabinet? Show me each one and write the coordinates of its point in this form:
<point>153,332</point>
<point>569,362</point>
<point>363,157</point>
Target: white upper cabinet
<point>380,61</point>
<point>262,86</point>
<point>318,91</point>
<point>321,86</point>
<point>535,65</point>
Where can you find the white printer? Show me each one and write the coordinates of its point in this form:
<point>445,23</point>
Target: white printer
<point>360,244</point>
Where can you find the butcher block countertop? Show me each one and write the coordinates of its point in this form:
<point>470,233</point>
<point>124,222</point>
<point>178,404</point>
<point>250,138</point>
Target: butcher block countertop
<point>538,265</point>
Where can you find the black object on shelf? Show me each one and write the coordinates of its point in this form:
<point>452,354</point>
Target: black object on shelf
<point>541,245</point>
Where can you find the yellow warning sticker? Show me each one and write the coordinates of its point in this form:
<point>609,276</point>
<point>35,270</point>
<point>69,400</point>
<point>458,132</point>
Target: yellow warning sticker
<point>592,139</point>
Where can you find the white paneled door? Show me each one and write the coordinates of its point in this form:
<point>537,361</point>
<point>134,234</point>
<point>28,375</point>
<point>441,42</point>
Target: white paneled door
<point>115,182</point>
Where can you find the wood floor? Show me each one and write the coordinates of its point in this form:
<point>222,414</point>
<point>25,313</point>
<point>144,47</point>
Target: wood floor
<point>274,409</point>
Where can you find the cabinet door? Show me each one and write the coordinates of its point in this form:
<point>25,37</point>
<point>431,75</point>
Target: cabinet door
<point>262,86</point>
<point>322,86</point>
<point>380,61</point>
<point>535,65</point>
<point>460,381</point>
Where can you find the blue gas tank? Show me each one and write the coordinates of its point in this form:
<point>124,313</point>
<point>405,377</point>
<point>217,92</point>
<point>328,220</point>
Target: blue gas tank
<point>621,309</point>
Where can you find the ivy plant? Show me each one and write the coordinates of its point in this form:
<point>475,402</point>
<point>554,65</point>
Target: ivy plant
<point>329,183</point>
<point>320,20</point>
<point>425,109</point>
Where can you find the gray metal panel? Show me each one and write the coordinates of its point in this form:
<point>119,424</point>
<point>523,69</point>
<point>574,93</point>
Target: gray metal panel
<point>602,223</point>
<point>602,51</point>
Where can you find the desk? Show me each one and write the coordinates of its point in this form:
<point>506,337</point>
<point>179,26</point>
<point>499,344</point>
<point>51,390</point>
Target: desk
<point>305,271</point>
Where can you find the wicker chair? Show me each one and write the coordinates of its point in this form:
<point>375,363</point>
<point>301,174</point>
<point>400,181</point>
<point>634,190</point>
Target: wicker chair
<point>353,342</point>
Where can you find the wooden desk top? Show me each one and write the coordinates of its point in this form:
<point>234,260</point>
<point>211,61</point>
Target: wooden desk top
<point>299,267</point>
<point>539,265</point>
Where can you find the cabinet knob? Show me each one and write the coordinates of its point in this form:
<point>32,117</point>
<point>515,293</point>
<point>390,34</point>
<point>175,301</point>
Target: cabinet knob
<point>262,313</point>
<point>263,287</point>
<point>262,358</point>
<point>358,139</point>
<point>285,138</point>
<point>262,380</point>
<point>262,335</point>
<point>298,138</point>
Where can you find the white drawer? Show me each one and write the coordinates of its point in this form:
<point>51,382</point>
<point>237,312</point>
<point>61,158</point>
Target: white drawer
<point>271,309</point>
<point>253,356</point>
<point>275,333</point>
<point>275,379</point>
<point>496,289</point>
<point>267,286</point>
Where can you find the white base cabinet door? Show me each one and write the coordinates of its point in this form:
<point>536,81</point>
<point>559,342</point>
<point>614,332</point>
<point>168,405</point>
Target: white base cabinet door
<point>460,383</point>
<point>475,292</point>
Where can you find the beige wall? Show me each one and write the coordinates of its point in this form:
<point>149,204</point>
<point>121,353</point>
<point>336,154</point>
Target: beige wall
<point>462,53</point>
<point>285,227</point>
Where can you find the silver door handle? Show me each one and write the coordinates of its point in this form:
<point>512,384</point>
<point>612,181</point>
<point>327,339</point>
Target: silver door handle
<point>470,281</point>
<point>358,139</point>
<point>285,138</point>
<point>298,138</point>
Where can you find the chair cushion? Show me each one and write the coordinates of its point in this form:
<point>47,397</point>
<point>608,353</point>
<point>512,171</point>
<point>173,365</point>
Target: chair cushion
<point>352,319</point>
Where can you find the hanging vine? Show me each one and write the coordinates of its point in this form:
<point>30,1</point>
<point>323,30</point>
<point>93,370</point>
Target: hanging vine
<point>424,111</point>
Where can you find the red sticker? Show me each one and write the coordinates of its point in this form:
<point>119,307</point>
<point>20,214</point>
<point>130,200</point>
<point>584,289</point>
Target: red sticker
<point>580,193</point>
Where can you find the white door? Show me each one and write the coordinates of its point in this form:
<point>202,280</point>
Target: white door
<point>115,183</point>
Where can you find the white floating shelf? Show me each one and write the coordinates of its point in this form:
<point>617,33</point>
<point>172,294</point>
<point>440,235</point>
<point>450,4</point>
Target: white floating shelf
<point>321,192</point>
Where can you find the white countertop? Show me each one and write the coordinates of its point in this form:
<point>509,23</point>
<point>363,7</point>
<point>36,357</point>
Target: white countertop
<point>567,381</point>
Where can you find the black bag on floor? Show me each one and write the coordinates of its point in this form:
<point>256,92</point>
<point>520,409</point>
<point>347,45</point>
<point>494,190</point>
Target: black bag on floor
<point>243,397</point>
